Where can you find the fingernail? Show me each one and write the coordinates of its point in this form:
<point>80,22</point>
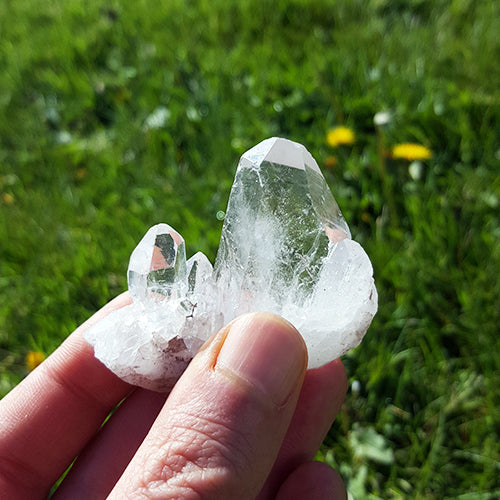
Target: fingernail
<point>268,352</point>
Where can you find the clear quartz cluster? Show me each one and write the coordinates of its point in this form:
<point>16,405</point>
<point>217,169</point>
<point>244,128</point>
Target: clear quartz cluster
<point>285,248</point>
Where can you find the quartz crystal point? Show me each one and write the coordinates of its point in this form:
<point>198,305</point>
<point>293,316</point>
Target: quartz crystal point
<point>158,264</point>
<point>285,248</point>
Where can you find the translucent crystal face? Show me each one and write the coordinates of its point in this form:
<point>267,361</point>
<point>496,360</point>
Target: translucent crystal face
<point>158,264</point>
<point>285,248</point>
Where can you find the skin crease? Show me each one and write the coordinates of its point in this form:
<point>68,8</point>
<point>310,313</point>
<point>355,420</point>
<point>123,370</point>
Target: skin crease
<point>236,425</point>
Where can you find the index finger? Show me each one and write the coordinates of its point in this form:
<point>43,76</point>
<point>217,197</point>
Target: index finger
<point>51,415</point>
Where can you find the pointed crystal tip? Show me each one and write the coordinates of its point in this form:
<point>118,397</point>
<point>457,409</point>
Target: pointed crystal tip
<point>281,151</point>
<point>157,263</point>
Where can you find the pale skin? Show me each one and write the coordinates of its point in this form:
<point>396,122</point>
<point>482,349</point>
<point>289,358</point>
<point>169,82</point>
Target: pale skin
<point>243,422</point>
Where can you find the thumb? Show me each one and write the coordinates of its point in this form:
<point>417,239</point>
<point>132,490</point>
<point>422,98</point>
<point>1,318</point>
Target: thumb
<point>222,426</point>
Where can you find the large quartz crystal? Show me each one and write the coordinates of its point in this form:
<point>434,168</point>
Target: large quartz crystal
<point>285,248</point>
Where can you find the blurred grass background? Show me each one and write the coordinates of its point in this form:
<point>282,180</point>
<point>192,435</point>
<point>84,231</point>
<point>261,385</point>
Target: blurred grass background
<point>118,115</point>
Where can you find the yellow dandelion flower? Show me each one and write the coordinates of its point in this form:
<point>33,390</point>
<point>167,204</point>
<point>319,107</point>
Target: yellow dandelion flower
<point>33,359</point>
<point>7,198</point>
<point>339,136</point>
<point>411,151</point>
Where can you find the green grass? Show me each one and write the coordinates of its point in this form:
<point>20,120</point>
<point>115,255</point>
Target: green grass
<point>82,177</point>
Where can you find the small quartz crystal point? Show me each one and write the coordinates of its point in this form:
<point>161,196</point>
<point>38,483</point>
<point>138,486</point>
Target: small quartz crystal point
<point>150,342</point>
<point>285,248</point>
<point>158,264</point>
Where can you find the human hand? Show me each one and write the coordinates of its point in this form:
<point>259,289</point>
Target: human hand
<point>244,421</point>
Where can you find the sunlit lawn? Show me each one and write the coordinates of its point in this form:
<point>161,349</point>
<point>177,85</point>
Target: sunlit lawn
<point>116,117</point>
